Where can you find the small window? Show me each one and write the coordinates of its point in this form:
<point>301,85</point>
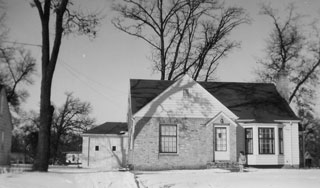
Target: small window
<point>114,148</point>
<point>281,147</point>
<point>249,140</point>
<point>97,148</point>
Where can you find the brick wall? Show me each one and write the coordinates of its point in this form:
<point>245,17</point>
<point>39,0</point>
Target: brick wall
<point>195,144</point>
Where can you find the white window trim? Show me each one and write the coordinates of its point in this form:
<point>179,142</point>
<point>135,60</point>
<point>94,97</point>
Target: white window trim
<point>159,144</point>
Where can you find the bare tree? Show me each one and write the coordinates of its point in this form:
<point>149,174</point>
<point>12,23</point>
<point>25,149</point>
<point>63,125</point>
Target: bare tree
<point>291,53</point>
<point>66,21</point>
<point>186,36</point>
<point>25,135</point>
<point>71,118</point>
<point>17,66</point>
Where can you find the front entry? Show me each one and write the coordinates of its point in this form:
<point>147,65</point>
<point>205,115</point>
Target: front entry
<point>222,143</point>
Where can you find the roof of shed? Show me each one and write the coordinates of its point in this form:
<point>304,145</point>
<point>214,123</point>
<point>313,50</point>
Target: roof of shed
<point>109,128</point>
<point>258,101</point>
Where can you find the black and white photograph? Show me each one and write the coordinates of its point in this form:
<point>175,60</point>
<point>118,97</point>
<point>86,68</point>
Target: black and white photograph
<point>159,93</point>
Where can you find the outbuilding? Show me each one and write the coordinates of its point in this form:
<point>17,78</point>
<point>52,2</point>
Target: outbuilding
<point>105,146</point>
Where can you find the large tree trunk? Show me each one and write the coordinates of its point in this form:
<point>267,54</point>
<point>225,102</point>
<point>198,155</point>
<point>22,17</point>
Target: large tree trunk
<point>48,67</point>
<point>46,112</point>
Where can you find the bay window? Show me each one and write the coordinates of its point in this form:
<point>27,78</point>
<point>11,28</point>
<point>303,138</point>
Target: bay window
<point>266,140</point>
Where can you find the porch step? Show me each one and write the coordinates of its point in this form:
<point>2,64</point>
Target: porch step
<point>227,165</point>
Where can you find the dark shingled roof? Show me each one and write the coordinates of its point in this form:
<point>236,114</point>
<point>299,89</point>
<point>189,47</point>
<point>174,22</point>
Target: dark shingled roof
<point>258,101</point>
<point>109,128</point>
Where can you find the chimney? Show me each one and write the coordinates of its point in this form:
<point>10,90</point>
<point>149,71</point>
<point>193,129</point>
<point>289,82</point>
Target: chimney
<point>282,84</point>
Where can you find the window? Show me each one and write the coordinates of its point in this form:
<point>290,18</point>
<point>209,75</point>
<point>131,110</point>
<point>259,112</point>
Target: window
<point>114,148</point>
<point>97,148</point>
<point>281,146</point>
<point>168,138</point>
<point>249,141</point>
<point>266,140</point>
<point>221,139</point>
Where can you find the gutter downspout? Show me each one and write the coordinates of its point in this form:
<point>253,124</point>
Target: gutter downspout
<point>132,140</point>
<point>88,150</point>
<point>291,144</point>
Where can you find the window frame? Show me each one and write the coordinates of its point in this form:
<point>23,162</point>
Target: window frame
<point>281,143</point>
<point>225,145</point>
<point>248,139</point>
<point>161,136</point>
<point>269,139</point>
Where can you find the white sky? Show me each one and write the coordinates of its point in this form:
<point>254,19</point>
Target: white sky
<point>98,71</point>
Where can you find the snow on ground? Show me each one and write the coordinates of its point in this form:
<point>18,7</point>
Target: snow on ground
<point>211,178</point>
<point>68,178</point>
<point>215,178</point>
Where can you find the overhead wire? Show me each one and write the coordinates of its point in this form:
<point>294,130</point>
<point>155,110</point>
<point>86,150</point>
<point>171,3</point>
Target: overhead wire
<point>21,43</point>
<point>89,78</point>
<point>84,81</point>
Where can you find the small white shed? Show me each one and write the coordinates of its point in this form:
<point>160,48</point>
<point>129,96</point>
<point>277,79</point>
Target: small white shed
<point>105,146</point>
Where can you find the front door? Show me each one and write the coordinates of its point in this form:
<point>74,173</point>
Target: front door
<point>222,148</point>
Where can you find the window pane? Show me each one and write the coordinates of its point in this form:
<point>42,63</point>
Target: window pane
<point>221,138</point>
<point>168,138</point>
<point>249,141</point>
<point>266,140</point>
<point>281,146</point>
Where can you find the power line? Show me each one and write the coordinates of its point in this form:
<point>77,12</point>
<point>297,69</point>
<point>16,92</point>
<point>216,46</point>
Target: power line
<point>22,43</point>
<point>94,89</point>
<point>89,78</point>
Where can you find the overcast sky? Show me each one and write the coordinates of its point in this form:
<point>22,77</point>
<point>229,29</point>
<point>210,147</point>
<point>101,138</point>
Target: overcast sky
<point>98,71</point>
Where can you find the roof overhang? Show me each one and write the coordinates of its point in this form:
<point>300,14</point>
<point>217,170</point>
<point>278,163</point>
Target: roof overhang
<point>104,135</point>
<point>288,121</point>
<point>223,115</point>
<point>245,120</point>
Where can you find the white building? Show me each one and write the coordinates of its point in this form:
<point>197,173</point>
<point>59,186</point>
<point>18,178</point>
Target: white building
<point>105,146</point>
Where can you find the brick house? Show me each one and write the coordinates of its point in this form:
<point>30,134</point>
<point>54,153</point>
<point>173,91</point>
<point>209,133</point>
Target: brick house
<point>5,128</point>
<point>188,124</point>
<point>105,146</point>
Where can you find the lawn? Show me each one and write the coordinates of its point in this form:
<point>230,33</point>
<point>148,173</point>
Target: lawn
<point>260,178</point>
<point>68,178</point>
<point>213,178</point>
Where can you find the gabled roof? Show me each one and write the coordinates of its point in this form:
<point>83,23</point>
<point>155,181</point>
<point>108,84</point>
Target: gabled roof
<point>143,91</point>
<point>109,128</point>
<point>258,101</point>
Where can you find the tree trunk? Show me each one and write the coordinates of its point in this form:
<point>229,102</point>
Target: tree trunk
<point>48,66</point>
<point>46,112</point>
